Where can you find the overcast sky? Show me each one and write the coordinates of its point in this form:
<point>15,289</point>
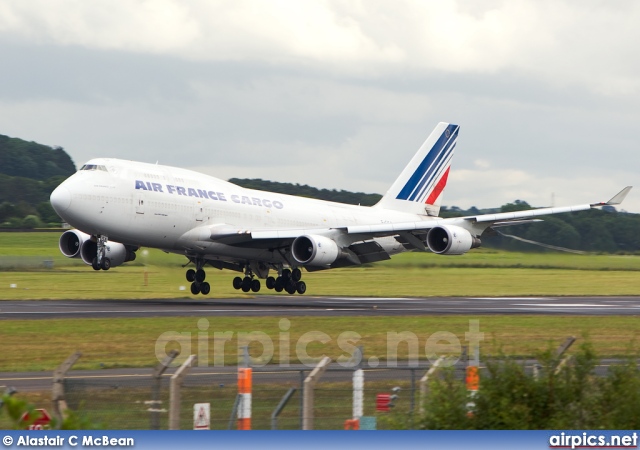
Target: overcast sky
<point>337,94</point>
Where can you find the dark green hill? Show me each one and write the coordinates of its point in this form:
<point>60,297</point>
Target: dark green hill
<point>28,173</point>
<point>332,195</point>
<point>20,158</point>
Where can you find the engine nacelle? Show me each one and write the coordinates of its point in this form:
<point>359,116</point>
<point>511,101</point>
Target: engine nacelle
<point>116,252</point>
<point>451,240</point>
<point>315,250</point>
<point>71,241</point>
<point>76,244</point>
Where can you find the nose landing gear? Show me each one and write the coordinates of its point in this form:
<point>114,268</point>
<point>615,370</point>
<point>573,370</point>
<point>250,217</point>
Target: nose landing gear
<point>101,261</point>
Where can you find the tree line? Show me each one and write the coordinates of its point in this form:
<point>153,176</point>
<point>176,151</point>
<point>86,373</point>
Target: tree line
<point>29,172</point>
<point>599,230</point>
<point>605,230</point>
<point>332,195</point>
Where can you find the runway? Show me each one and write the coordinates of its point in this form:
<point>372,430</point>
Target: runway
<point>318,306</point>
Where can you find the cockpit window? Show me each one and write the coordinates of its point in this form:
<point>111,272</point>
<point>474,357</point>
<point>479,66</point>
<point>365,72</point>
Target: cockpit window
<point>94,167</point>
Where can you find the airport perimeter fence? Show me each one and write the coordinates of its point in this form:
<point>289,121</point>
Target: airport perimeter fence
<point>142,402</point>
<point>33,262</point>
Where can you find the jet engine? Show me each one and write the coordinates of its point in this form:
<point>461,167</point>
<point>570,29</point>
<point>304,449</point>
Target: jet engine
<point>451,240</point>
<point>76,244</point>
<point>315,250</point>
<point>116,252</point>
<point>71,241</point>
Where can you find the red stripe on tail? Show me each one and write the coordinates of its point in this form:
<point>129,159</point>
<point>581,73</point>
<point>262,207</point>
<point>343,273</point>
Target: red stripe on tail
<point>437,190</point>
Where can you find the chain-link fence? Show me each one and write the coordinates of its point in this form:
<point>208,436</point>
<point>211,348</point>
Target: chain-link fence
<point>139,401</point>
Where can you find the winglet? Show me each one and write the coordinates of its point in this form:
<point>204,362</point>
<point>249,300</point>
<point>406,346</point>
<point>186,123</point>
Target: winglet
<point>617,199</point>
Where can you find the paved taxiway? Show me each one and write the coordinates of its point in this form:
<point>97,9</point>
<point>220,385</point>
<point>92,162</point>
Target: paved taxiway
<point>318,306</point>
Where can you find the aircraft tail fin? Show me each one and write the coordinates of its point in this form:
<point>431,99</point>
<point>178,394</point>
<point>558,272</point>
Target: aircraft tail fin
<point>419,187</point>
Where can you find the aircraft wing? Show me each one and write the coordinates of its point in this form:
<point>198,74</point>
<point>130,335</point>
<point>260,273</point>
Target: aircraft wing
<point>483,221</point>
<point>517,216</point>
<point>358,238</point>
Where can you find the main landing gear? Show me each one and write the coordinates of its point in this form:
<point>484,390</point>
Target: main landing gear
<point>288,281</point>
<point>196,277</point>
<point>248,283</point>
<point>101,261</point>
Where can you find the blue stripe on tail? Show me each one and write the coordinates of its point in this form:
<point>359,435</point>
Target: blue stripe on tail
<point>438,156</point>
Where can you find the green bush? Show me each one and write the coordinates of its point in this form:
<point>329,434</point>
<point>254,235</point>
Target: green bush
<point>15,407</point>
<point>12,222</point>
<point>510,397</point>
<point>31,221</point>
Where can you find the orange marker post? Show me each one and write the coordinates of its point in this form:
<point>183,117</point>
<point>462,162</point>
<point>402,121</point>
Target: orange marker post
<point>473,383</point>
<point>352,424</point>
<point>473,378</point>
<point>244,390</point>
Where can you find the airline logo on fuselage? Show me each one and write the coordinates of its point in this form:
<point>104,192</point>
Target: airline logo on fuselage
<point>210,195</point>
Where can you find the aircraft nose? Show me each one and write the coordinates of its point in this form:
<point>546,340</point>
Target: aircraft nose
<point>60,199</point>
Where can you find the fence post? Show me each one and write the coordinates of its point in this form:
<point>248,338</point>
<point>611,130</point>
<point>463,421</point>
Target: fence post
<point>561,350</point>
<point>280,407</point>
<point>59,403</point>
<point>234,412</point>
<point>302,377</point>
<point>358,394</point>
<point>154,404</point>
<point>246,358</point>
<point>174,392</point>
<point>309,386</point>
<point>424,382</point>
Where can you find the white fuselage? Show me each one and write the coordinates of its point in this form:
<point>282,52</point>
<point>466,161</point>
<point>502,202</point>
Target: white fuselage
<point>175,210</point>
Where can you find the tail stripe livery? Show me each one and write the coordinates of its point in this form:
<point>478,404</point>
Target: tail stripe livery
<point>418,189</point>
<point>429,178</point>
<point>435,193</point>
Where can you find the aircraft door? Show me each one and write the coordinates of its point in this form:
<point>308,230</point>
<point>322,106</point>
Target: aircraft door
<point>201,213</point>
<point>139,204</point>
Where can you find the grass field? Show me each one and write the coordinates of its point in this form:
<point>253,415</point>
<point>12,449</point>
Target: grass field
<point>480,272</point>
<point>33,345</point>
<point>43,344</point>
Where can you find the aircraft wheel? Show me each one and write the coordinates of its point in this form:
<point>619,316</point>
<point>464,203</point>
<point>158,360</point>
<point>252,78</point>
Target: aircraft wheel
<point>205,288</point>
<point>200,275</point>
<point>296,275</point>
<point>291,289</point>
<point>195,288</point>
<point>191,275</point>
<point>255,285</point>
<point>237,283</point>
<point>94,264</point>
<point>105,264</point>
<point>279,285</point>
<point>286,274</point>
<point>246,284</point>
<point>301,287</point>
<point>271,283</point>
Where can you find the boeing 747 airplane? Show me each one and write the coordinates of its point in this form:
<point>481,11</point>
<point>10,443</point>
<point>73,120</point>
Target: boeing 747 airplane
<point>119,206</point>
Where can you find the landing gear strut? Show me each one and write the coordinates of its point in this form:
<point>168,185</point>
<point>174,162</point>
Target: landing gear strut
<point>101,261</point>
<point>197,277</point>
